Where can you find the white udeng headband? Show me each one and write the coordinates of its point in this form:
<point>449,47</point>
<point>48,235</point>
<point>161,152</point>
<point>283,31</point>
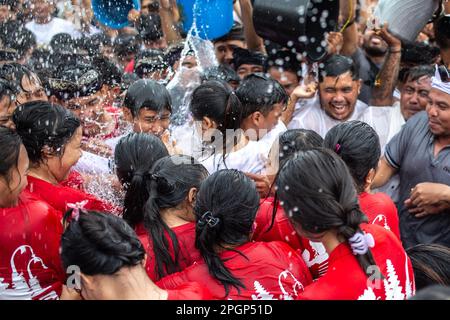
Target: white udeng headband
<point>438,84</point>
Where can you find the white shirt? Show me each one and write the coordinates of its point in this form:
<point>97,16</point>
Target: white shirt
<point>252,158</point>
<point>45,32</point>
<point>386,121</point>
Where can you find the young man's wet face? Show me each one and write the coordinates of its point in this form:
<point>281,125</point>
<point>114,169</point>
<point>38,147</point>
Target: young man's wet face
<point>224,50</point>
<point>150,121</point>
<point>338,95</point>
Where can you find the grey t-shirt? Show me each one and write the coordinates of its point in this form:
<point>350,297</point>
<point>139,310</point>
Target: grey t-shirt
<point>411,151</point>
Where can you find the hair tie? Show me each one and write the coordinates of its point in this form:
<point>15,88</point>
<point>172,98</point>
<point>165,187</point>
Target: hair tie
<point>76,208</point>
<point>208,219</point>
<point>337,147</point>
<point>360,243</point>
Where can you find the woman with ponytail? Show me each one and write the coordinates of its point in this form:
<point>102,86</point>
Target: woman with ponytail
<point>134,156</point>
<point>169,214</point>
<point>233,267</point>
<point>110,261</point>
<point>365,261</point>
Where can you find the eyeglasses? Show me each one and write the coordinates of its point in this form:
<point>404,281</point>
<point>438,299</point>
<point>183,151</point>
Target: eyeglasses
<point>163,117</point>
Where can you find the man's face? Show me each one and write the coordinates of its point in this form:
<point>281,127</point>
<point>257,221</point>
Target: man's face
<point>438,110</point>
<point>414,96</point>
<point>224,50</point>
<point>42,9</point>
<point>269,121</point>
<point>150,121</point>
<point>246,69</point>
<point>91,112</point>
<point>288,79</point>
<point>338,95</point>
<point>32,90</point>
<point>374,45</point>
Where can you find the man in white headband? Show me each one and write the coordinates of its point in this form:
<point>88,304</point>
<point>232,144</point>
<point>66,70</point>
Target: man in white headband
<point>420,153</point>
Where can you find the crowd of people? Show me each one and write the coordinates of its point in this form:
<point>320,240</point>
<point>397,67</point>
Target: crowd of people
<point>146,163</point>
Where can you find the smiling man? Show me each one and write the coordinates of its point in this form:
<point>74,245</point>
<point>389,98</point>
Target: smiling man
<point>420,153</point>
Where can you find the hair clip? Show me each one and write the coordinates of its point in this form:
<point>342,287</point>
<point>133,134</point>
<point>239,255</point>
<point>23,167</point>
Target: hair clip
<point>208,219</point>
<point>76,208</point>
<point>360,243</point>
<point>337,147</point>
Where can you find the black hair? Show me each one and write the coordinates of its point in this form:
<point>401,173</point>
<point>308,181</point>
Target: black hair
<point>125,44</point>
<point>236,33</point>
<point>148,94</point>
<point>173,53</point>
<point>10,143</point>
<point>14,73</point>
<point>62,42</point>
<point>216,100</point>
<point>358,144</point>
<point>18,38</point>
<point>285,60</point>
<point>415,73</point>
<point>434,292</point>
<point>336,65</point>
<point>295,140</point>
<point>243,56</point>
<point>170,180</point>
<point>317,192</point>
<point>418,53</point>
<point>442,32</point>
<point>99,243</point>
<point>6,90</point>
<point>430,264</point>
<point>42,124</point>
<point>225,210</point>
<point>221,72</point>
<point>11,3</point>
<point>260,93</point>
<point>134,156</point>
<point>149,27</point>
<point>110,73</point>
<point>148,61</point>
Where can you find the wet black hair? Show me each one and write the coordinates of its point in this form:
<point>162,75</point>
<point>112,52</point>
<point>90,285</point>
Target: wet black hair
<point>99,243</point>
<point>170,181</point>
<point>62,42</point>
<point>419,53</point>
<point>434,292</point>
<point>442,32</point>
<point>148,94</point>
<point>11,3</point>
<point>336,65</point>
<point>415,73</point>
<point>221,72</point>
<point>430,264</point>
<point>6,90</point>
<point>42,124</point>
<point>260,93</point>
<point>110,73</point>
<point>243,56</point>
<point>173,53</point>
<point>10,143</point>
<point>216,100</point>
<point>149,27</point>
<point>358,144</point>
<point>14,73</point>
<point>125,44</point>
<point>285,60</point>
<point>317,193</point>
<point>18,38</point>
<point>134,156</point>
<point>295,140</point>
<point>225,210</point>
<point>148,61</point>
<point>236,33</point>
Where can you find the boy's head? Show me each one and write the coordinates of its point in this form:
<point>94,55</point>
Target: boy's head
<point>284,67</point>
<point>246,62</point>
<point>148,107</point>
<point>263,101</point>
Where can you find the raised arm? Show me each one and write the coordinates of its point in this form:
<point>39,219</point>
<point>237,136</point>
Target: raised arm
<point>384,173</point>
<point>383,91</point>
<point>254,42</point>
<point>349,29</point>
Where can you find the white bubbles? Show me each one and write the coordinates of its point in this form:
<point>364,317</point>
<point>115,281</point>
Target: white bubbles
<point>286,188</point>
<point>279,18</point>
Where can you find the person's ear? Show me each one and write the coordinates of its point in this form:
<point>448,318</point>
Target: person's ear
<point>47,152</point>
<point>359,85</point>
<point>370,177</point>
<point>192,195</point>
<point>54,100</point>
<point>256,118</point>
<point>208,123</point>
<point>144,261</point>
<point>87,281</point>
<point>127,114</point>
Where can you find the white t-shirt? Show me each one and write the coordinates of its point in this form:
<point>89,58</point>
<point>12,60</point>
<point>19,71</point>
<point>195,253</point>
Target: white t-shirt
<point>386,121</point>
<point>252,158</point>
<point>93,164</point>
<point>45,32</point>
